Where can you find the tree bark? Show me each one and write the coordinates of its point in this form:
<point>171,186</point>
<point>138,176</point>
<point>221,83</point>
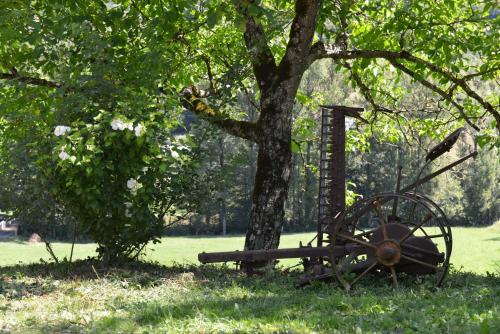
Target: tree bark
<point>273,171</point>
<point>278,86</point>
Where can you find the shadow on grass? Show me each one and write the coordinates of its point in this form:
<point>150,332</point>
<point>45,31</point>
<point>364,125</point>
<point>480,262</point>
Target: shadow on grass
<point>224,297</point>
<point>321,306</point>
<point>142,274</point>
<point>461,306</point>
<point>153,273</point>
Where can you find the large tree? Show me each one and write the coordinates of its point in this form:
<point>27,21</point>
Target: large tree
<point>218,48</point>
<point>443,46</point>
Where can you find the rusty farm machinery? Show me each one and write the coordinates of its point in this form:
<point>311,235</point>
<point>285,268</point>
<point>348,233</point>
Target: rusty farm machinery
<point>395,234</point>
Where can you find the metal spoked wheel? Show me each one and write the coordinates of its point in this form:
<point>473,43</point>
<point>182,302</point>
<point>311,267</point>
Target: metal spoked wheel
<point>397,235</point>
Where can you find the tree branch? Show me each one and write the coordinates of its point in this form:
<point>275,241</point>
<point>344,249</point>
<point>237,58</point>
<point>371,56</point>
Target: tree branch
<point>263,62</point>
<point>457,81</point>
<point>243,129</point>
<point>321,51</point>
<point>140,11</point>
<point>478,74</point>
<point>365,91</point>
<point>302,30</point>
<point>14,76</point>
<point>207,62</point>
<point>435,89</point>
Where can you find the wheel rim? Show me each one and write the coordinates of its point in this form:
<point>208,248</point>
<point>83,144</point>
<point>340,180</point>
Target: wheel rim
<point>416,241</point>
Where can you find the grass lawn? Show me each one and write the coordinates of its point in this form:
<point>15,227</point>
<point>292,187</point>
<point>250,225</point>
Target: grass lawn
<point>187,298</point>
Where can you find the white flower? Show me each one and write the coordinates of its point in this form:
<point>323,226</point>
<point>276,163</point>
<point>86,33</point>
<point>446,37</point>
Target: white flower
<point>349,123</point>
<point>174,155</point>
<point>63,155</point>
<point>139,130</point>
<point>60,130</point>
<point>110,5</point>
<point>133,185</point>
<point>118,124</point>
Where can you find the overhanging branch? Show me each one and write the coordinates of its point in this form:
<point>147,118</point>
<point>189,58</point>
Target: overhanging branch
<point>435,89</point>
<point>322,51</point>
<point>365,90</point>
<point>15,76</point>
<point>460,82</point>
<point>242,129</point>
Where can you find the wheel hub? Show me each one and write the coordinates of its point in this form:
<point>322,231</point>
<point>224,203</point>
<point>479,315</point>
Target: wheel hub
<point>388,253</point>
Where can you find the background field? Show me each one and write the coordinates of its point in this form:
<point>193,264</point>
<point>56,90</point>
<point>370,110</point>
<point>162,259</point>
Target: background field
<point>474,249</point>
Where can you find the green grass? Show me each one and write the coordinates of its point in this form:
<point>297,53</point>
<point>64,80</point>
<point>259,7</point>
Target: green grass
<point>152,298</point>
<point>143,298</point>
<point>474,249</point>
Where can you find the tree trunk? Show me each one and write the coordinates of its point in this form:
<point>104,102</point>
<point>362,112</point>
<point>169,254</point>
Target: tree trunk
<point>278,84</point>
<point>222,204</point>
<point>272,176</point>
<point>269,195</point>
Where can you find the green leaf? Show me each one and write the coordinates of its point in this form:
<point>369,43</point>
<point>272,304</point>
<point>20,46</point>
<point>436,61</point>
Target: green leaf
<point>212,19</point>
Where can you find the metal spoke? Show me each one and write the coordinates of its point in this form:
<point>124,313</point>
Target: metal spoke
<point>412,212</point>
<point>411,225</point>
<point>435,236</point>
<point>361,242</point>
<point>421,250</point>
<point>363,274</point>
<point>394,207</point>
<point>419,225</point>
<point>419,262</point>
<point>381,218</point>
<point>394,276</point>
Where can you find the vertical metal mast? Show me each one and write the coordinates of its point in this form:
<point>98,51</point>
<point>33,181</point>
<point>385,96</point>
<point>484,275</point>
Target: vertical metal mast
<point>331,197</point>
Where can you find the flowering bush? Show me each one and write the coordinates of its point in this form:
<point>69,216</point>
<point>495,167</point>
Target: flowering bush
<point>120,177</point>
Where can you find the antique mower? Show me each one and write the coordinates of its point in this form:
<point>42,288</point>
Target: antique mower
<point>394,234</point>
